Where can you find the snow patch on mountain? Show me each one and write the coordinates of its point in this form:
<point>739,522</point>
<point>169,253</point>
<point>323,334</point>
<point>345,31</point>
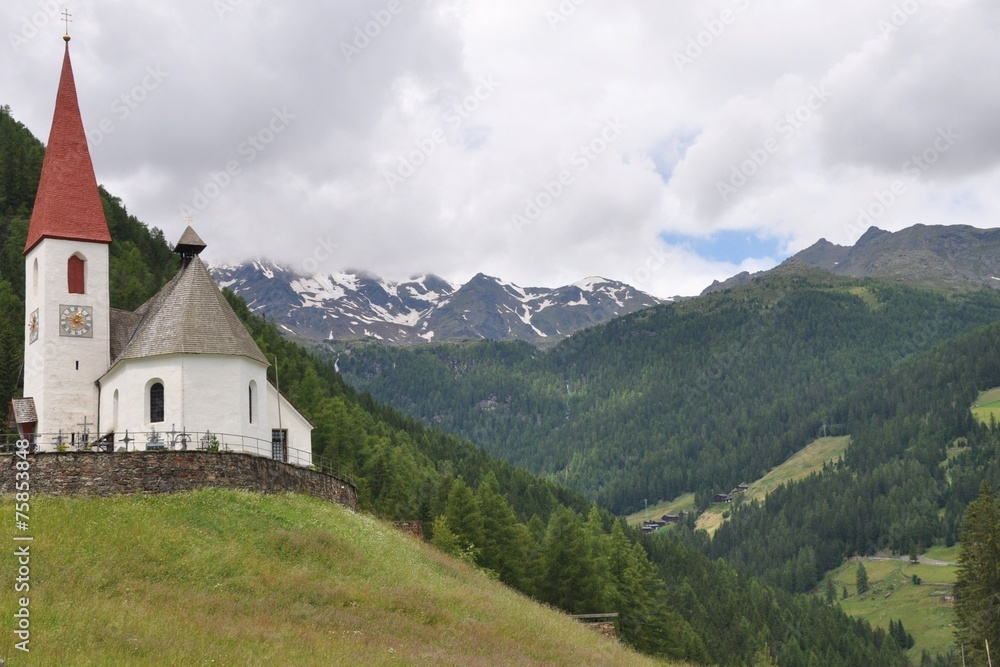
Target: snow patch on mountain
<point>590,283</point>
<point>425,308</point>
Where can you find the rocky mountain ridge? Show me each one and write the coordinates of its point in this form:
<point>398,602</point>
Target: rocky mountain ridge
<point>939,257</point>
<point>355,305</point>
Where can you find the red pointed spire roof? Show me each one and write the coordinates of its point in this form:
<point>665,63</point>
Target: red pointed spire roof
<point>68,204</point>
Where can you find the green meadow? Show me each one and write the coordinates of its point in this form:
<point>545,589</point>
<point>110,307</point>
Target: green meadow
<point>800,465</point>
<point>233,578</point>
<point>924,610</point>
<point>987,406</point>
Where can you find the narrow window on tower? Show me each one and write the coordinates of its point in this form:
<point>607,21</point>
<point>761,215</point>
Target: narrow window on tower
<point>250,396</point>
<point>34,278</point>
<point>74,274</point>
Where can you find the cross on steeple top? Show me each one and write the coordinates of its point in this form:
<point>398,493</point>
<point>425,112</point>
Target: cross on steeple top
<point>68,204</point>
<point>66,17</point>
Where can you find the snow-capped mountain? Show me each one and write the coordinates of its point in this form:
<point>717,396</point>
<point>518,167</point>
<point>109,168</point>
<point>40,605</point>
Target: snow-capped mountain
<point>355,304</point>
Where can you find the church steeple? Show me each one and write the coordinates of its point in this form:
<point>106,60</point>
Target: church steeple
<point>67,342</point>
<point>68,205</point>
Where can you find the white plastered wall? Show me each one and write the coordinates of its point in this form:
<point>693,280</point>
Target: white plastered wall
<point>201,393</point>
<point>298,427</point>
<point>59,371</point>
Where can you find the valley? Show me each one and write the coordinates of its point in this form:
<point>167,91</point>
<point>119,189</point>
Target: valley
<point>517,447</point>
<point>628,411</point>
<point>903,459</point>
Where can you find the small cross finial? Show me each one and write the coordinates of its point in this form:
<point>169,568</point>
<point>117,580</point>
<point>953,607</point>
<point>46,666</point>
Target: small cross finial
<point>188,219</point>
<point>66,16</point>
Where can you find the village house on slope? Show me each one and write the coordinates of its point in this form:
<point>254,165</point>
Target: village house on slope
<point>180,372</point>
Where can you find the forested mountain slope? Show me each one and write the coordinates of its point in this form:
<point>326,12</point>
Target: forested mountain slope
<point>539,538</point>
<point>917,458</point>
<point>695,396</point>
<point>529,532</point>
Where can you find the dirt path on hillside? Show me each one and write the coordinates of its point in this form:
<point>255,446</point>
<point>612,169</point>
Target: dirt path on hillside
<point>923,560</point>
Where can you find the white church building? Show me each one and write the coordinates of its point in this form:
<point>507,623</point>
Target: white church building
<point>180,372</point>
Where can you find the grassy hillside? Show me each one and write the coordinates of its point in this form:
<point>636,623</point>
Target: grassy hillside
<point>923,609</point>
<point>808,460</point>
<point>800,465</point>
<point>233,578</point>
<point>987,406</point>
<point>683,503</point>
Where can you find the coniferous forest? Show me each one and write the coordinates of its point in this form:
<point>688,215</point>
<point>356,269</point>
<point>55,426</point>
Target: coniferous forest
<point>701,396</point>
<point>692,397</point>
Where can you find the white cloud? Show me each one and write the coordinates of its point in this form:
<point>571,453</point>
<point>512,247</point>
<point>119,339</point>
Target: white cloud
<point>322,178</point>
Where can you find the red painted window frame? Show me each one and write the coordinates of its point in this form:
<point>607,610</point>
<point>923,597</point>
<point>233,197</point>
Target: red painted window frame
<point>74,275</point>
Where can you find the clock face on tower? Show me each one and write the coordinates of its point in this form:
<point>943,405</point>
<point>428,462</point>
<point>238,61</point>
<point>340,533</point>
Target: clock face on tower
<point>33,327</point>
<point>76,321</point>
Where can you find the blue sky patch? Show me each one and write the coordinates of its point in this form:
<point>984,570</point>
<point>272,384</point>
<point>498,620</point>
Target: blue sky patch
<point>669,152</point>
<point>733,246</point>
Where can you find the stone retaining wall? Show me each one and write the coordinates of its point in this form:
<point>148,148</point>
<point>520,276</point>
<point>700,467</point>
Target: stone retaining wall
<point>102,474</point>
<point>415,528</point>
<point>605,628</point>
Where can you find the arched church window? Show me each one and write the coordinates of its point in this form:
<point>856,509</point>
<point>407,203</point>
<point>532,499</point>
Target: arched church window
<point>74,274</point>
<point>156,403</point>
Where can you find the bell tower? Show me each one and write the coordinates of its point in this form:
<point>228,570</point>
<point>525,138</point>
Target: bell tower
<point>67,305</point>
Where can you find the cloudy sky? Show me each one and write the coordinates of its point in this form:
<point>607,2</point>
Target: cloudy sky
<point>666,144</point>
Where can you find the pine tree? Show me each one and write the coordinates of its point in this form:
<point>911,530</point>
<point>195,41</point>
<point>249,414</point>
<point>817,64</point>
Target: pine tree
<point>445,540</point>
<point>463,517</point>
<point>499,548</point>
<point>977,588</point>
<point>567,578</point>
<point>634,585</point>
<point>831,590</point>
<point>903,638</point>
<point>862,579</point>
<point>763,658</point>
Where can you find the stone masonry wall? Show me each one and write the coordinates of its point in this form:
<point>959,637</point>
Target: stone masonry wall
<point>102,474</point>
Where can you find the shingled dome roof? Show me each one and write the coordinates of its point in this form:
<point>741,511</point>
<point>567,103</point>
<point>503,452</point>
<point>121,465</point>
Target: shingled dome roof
<point>68,204</point>
<point>189,315</point>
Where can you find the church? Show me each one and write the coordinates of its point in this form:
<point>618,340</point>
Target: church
<point>180,372</point>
